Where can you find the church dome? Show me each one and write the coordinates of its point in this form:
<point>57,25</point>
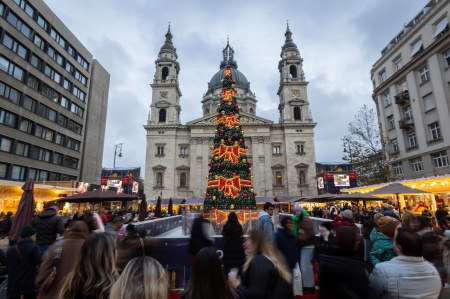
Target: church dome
<point>236,75</point>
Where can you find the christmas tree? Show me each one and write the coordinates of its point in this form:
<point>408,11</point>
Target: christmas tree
<point>230,178</point>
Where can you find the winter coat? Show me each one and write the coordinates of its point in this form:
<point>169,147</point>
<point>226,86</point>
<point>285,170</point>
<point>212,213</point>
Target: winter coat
<point>343,275</point>
<point>262,281</point>
<point>21,276</point>
<point>71,248</point>
<point>305,231</point>
<point>337,222</point>
<point>199,236</point>
<point>322,246</point>
<point>432,251</point>
<point>382,248</point>
<point>131,247</point>
<point>287,245</point>
<point>266,225</point>
<point>47,225</point>
<point>406,277</point>
<point>7,224</point>
<point>233,256</point>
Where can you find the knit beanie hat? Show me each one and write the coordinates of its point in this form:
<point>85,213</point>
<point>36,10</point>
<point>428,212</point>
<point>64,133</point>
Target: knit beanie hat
<point>377,216</point>
<point>27,231</point>
<point>327,225</point>
<point>387,226</point>
<point>348,214</point>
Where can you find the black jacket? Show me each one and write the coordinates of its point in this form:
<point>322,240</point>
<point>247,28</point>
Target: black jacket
<point>47,224</point>
<point>233,256</point>
<point>322,246</point>
<point>287,244</point>
<point>262,281</point>
<point>343,275</point>
<point>7,224</point>
<point>198,238</point>
<point>21,276</point>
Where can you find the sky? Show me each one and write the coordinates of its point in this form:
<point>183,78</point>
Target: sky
<point>339,42</point>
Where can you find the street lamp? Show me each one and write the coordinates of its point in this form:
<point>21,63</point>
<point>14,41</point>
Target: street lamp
<point>117,151</point>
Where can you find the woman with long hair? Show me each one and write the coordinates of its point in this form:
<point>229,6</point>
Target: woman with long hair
<point>233,251</point>
<point>95,269</point>
<point>265,274</point>
<point>142,278</point>
<point>409,221</point>
<point>207,279</point>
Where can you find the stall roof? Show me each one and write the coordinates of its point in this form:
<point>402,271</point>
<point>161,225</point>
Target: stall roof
<point>175,201</point>
<point>195,201</point>
<point>263,199</point>
<point>36,186</point>
<point>285,199</point>
<point>98,196</point>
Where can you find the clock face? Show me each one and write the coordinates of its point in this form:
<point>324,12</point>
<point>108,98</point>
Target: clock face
<point>295,93</point>
<point>163,95</point>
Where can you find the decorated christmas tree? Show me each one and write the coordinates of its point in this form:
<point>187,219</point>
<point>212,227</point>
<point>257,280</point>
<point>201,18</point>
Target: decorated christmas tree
<point>230,177</point>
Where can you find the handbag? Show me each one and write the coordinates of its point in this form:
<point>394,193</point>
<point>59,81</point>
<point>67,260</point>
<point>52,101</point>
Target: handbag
<point>297,281</point>
<point>48,281</point>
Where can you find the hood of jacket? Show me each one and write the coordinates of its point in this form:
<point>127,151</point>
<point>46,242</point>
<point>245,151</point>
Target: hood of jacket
<point>262,214</point>
<point>377,236</point>
<point>47,213</point>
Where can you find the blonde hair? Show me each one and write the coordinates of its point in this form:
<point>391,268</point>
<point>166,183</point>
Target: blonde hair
<point>142,278</point>
<point>95,269</point>
<point>262,245</point>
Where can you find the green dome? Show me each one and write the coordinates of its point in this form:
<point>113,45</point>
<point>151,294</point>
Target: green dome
<point>235,75</point>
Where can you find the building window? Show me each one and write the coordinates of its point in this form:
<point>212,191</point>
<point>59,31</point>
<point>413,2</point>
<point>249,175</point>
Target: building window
<point>54,55</point>
<point>44,133</point>
<point>74,126</point>
<point>387,99</point>
<point>38,41</point>
<point>162,115</point>
<point>440,159</point>
<point>446,57</point>
<point>78,93</point>
<point>16,22</point>
<point>407,112</point>
<point>412,139</point>
<point>40,154</point>
<point>5,144</point>
<point>183,180</point>
<point>29,104</point>
<point>383,76</point>
<point>428,102</point>
<point>25,125</point>
<point>441,27</point>
<point>57,159</point>
<point>80,77</point>
<point>52,74</point>
<point>160,150</point>
<point>394,145</point>
<point>37,174</point>
<point>8,119</point>
<point>46,112</point>
<point>293,71</point>
<point>9,93</point>
<point>417,47</point>
<point>70,162</point>
<point>62,120</point>
<point>11,69</point>
<point>416,164</point>
<point>391,123</point>
<point>42,22</point>
<point>297,114</point>
<point>67,85</point>
<point>57,37</point>
<point>403,86</point>
<point>419,17</point>
<point>49,93</point>
<point>73,144</point>
<point>27,8</point>
<point>159,180</point>
<point>22,149</point>
<point>435,131</point>
<point>184,151</point>
<point>71,51</point>
<point>279,179</point>
<point>18,173</point>
<point>398,168</point>
<point>424,74</point>
<point>400,35</point>
<point>83,62</point>
<point>64,102</point>
<point>36,62</point>
<point>300,149</point>
<point>69,67</point>
<point>77,110</point>
<point>59,139</point>
<point>251,111</point>
<point>398,63</point>
<point>33,82</point>
<point>302,178</point>
<point>17,48</point>
<point>165,73</point>
<point>3,167</point>
<point>277,149</point>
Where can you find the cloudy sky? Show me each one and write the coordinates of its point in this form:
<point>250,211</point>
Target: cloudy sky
<point>338,40</point>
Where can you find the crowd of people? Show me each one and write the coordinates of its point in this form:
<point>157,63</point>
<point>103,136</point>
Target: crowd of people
<point>385,256</point>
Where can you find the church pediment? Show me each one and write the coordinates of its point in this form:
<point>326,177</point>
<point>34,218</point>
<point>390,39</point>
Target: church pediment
<point>278,166</point>
<point>182,167</point>
<point>159,167</point>
<point>246,120</point>
<point>301,165</point>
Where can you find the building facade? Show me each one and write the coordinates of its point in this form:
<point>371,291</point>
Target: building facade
<point>53,96</point>
<point>282,155</point>
<point>412,94</point>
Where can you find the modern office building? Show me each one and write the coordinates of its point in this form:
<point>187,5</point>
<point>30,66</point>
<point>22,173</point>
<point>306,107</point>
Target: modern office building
<point>53,98</point>
<point>282,154</point>
<point>412,93</point>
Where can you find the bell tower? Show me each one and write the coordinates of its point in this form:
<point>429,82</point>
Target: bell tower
<point>294,105</point>
<point>165,107</point>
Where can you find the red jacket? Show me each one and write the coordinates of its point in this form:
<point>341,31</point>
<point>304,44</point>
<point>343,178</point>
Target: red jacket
<point>337,223</point>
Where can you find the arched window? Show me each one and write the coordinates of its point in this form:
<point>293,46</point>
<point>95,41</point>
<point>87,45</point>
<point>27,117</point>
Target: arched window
<point>165,73</point>
<point>251,111</point>
<point>297,114</point>
<point>279,178</point>
<point>298,149</point>
<point>183,180</point>
<point>162,115</point>
<point>206,111</point>
<point>302,148</point>
<point>302,178</point>
<point>159,179</point>
<point>293,71</point>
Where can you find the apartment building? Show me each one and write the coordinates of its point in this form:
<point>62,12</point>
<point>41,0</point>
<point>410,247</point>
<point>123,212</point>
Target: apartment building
<point>53,98</point>
<point>411,84</point>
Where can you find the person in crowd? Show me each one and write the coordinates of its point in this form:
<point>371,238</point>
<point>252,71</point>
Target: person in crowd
<point>90,221</point>
<point>345,219</point>
<point>446,253</point>
<point>62,256</point>
<point>431,245</point>
<point>142,278</point>
<point>208,279</point>
<point>95,269</point>
<point>426,212</point>
<point>326,213</point>
<point>47,225</point>
<point>382,240</point>
<point>115,226</point>
<point>341,273</point>
<point>304,229</point>
<point>368,224</point>
<point>103,217</point>
<point>389,211</point>
<point>317,212</point>
<point>7,224</point>
<point>200,236</point>
<point>324,241</point>
<point>333,212</point>
<point>286,242</point>
<point>409,221</point>
<point>265,222</point>
<point>441,216</point>
<point>233,251</point>
<point>265,274</point>
<point>408,275</point>
<point>23,260</point>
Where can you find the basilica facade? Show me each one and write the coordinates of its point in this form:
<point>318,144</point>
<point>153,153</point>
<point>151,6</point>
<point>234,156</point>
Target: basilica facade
<point>282,154</point>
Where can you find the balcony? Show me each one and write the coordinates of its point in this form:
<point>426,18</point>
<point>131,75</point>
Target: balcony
<point>402,97</point>
<point>406,123</point>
